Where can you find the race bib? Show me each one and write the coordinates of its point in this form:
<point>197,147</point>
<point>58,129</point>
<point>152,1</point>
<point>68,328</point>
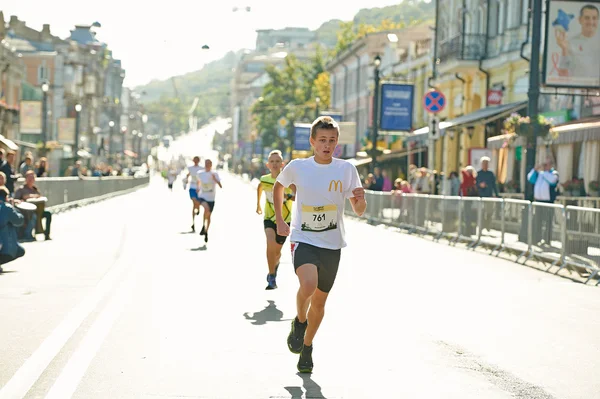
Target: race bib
<point>207,187</point>
<point>319,218</point>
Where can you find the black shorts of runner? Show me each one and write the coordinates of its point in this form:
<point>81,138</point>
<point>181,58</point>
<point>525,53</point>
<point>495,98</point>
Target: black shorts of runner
<point>326,260</point>
<point>269,224</point>
<point>211,204</point>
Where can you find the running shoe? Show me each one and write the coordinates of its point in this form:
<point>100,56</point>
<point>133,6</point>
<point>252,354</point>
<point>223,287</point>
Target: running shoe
<point>305,363</point>
<point>295,340</point>
<point>271,281</point>
<point>193,228</point>
<point>206,236</point>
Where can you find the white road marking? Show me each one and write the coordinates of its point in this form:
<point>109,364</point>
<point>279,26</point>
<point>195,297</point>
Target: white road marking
<point>67,382</point>
<point>18,386</point>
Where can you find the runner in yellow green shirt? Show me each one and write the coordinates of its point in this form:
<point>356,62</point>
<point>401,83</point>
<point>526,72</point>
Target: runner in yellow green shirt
<point>274,241</point>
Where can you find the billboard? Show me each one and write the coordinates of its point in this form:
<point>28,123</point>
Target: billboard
<point>31,117</point>
<point>572,45</point>
<point>66,130</point>
<point>302,136</point>
<point>396,107</point>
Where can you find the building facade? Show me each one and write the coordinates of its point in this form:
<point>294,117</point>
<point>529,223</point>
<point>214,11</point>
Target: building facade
<point>404,58</point>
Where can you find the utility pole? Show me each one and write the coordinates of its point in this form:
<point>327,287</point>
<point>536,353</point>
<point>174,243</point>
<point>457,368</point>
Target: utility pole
<point>534,92</point>
<point>375,135</point>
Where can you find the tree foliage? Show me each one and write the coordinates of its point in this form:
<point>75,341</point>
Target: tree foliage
<point>291,93</point>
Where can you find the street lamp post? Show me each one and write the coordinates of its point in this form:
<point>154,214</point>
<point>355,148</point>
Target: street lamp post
<point>140,135</point>
<point>111,124</point>
<point>78,108</point>
<point>45,88</point>
<point>143,132</point>
<point>377,63</point>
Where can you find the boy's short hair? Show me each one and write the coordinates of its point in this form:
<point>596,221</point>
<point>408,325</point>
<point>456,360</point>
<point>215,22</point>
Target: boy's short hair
<point>275,152</point>
<point>323,122</point>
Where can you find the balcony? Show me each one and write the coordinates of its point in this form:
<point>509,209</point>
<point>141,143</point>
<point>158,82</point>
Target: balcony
<point>467,47</point>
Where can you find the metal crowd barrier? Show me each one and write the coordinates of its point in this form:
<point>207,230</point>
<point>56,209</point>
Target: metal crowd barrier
<point>61,190</point>
<point>557,235</point>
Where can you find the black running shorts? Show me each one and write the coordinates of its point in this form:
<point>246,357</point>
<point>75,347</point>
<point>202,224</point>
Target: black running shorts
<point>211,204</point>
<point>326,260</point>
<point>269,224</point>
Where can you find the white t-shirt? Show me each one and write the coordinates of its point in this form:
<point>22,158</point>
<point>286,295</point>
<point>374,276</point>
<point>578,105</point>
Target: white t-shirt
<point>193,170</point>
<point>207,185</point>
<point>321,193</point>
<point>583,60</point>
<point>172,176</point>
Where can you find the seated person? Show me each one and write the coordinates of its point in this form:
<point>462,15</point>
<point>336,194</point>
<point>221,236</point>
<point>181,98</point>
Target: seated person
<point>29,190</point>
<point>10,219</point>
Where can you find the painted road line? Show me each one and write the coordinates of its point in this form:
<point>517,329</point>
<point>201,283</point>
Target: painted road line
<point>67,382</point>
<point>18,386</point>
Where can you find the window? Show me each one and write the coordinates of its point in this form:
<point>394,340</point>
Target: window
<point>43,72</point>
<point>493,28</point>
<point>501,17</point>
<point>524,11</point>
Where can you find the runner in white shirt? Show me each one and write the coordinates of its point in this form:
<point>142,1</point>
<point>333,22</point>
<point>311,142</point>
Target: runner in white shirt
<point>323,184</point>
<point>193,171</point>
<point>207,181</point>
<point>171,177</point>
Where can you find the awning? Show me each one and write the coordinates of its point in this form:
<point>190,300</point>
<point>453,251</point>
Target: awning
<point>484,115</point>
<point>9,143</point>
<point>25,144</point>
<point>575,133</point>
<point>497,142</point>
<point>359,162</point>
<point>480,117</point>
<point>83,154</point>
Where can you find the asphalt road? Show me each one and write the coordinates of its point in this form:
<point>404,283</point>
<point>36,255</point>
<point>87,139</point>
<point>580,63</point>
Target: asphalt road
<point>126,303</point>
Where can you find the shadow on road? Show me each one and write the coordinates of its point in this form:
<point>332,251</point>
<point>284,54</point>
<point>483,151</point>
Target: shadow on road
<point>202,248</point>
<point>270,313</point>
<point>187,232</point>
<point>312,389</point>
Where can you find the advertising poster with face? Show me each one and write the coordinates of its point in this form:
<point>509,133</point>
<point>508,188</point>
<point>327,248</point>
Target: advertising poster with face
<point>572,45</point>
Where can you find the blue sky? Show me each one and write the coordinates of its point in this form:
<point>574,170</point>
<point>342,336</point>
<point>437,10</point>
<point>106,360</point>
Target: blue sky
<point>161,39</point>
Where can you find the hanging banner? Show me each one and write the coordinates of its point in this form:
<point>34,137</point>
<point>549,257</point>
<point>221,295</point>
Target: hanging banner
<point>572,44</point>
<point>66,130</point>
<point>302,136</point>
<point>396,107</point>
<point>31,117</point>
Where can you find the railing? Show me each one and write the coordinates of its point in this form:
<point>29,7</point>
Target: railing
<point>558,236</point>
<point>582,201</point>
<point>62,190</point>
<point>463,47</point>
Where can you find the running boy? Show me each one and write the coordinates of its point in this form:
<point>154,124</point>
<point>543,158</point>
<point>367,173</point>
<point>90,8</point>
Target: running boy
<point>274,241</point>
<point>323,184</point>
<point>206,182</point>
<point>192,172</point>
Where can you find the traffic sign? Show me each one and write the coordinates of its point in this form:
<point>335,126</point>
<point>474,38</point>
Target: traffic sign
<point>282,122</point>
<point>434,101</point>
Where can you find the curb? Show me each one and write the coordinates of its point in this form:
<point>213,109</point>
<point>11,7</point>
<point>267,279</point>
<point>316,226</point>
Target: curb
<point>56,209</point>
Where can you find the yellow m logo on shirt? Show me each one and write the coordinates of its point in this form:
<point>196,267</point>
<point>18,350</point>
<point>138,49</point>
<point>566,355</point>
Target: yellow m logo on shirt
<point>334,184</point>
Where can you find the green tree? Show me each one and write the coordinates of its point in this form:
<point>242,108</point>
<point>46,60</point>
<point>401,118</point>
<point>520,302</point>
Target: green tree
<point>291,93</point>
